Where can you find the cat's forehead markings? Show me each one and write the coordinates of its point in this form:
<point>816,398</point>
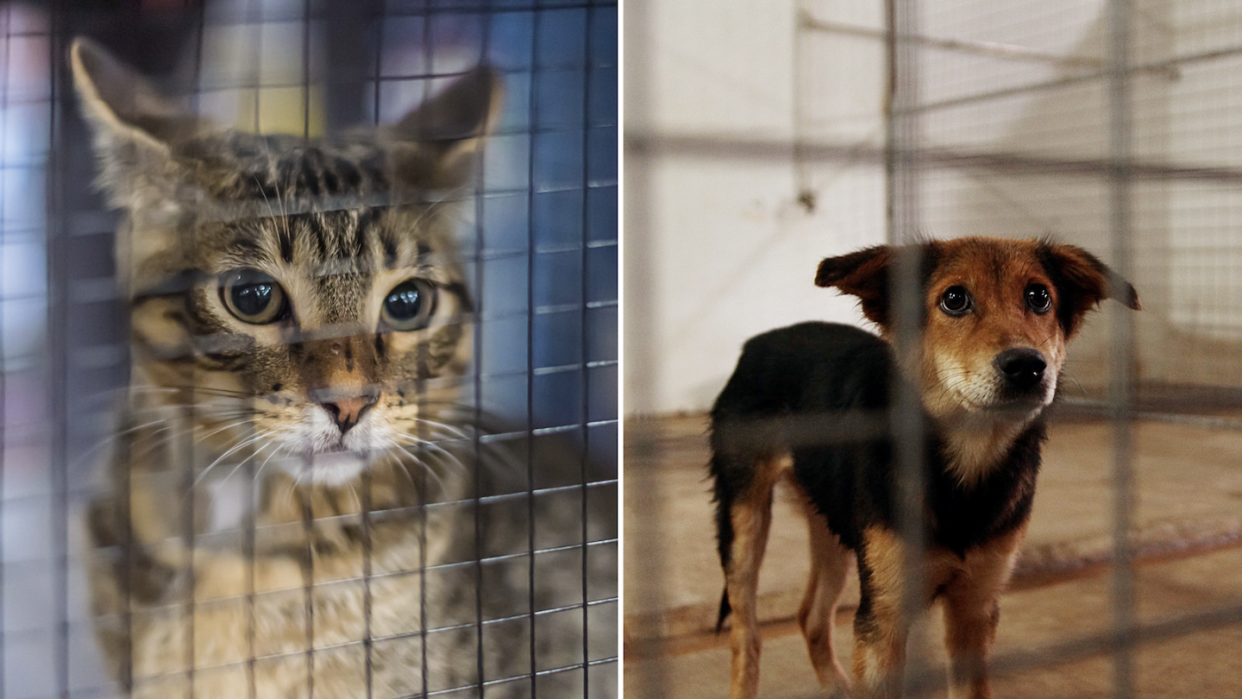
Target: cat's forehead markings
<point>335,268</point>
<point>258,208</point>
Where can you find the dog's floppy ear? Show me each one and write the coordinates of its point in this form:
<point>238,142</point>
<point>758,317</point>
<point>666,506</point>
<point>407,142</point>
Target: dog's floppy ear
<point>1082,281</point>
<point>863,274</point>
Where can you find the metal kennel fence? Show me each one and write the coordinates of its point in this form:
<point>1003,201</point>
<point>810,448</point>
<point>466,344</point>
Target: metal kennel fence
<point>1109,125</point>
<point>539,241</point>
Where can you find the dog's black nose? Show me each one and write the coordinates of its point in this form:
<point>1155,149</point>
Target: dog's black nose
<point>1023,368</point>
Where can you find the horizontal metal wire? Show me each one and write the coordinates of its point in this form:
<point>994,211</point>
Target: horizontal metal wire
<point>410,573</point>
<point>1162,66</point>
<point>541,673</point>
<point>988,49</point>
<point>297,12</point>
<point>327,647</point>
<point>737,148</point>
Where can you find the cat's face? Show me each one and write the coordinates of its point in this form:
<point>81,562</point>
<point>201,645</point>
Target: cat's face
<point>302,300</point>
<point>333,335</point>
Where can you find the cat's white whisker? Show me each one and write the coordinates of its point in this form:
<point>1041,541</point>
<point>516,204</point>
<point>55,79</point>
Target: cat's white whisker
<point>279,448</point>
<point>231,425</point>
<point>449,429</point>
<point>432,447</point>
<point>402,454</point>
<point>357,497</point>
<point>240,445</point>
<point>113,438</point>
<point>243,462</point>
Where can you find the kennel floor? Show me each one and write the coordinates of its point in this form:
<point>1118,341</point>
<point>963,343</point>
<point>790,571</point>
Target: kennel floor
<point>1188,528</point>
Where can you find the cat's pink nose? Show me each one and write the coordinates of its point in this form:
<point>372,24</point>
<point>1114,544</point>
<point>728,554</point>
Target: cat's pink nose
<point>346,412</point>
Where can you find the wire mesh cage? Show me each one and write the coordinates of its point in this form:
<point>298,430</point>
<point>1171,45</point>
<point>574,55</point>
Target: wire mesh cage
<point>166,528</point>
<point>1104,125</point>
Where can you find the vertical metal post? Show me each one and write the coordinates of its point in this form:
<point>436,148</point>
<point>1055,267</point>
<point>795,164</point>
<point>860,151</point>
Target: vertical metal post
<point>1120,384</point>
<point>347,43</point>
<point>902,123</point>
<point>903,211</point>
<point>802,167</point>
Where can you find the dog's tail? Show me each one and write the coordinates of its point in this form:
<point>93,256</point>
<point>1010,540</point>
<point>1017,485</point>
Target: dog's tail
<point>723,492</point>
<point>725,610</point>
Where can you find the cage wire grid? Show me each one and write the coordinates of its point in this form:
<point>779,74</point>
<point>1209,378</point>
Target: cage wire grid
<point>1114,163</point>
<point>1103,165</point>
<point>540,253</point>
<point>922,148</point>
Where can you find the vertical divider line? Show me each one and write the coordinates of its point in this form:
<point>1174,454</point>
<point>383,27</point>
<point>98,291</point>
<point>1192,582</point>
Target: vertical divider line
<point>531,248</point>
<point>1121,365</point>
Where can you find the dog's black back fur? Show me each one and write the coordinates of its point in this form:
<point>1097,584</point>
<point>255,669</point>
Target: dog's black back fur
<point>823,371</point>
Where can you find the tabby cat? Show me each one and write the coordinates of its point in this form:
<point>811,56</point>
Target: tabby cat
<point>292,465</point>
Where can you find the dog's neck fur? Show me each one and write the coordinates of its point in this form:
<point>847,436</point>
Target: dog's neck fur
<point>976,444</point>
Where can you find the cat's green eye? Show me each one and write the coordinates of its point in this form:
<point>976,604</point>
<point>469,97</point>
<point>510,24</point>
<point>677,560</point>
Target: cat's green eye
<point>252,296</point>
<point>409,305</point>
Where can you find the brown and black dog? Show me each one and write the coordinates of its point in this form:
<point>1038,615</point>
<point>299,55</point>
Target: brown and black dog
<point>996,316</point>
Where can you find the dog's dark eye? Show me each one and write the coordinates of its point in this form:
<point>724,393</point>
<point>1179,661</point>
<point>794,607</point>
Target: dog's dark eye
<point>955,301</point>
<point>1038,299</point>
<point>253,296</point>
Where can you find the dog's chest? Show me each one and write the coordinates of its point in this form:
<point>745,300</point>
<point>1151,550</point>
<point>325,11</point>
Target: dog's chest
<point>857,487</point>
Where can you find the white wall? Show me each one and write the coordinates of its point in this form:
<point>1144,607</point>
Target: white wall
<point>717,246</point>
<point>718,249</point>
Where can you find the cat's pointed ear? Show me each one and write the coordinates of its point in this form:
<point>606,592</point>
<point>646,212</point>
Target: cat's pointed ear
<point>435,144</point>
<point>133,124</point>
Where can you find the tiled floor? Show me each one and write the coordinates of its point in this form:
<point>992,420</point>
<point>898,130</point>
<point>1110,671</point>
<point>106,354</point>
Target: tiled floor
<point>1189,504</point>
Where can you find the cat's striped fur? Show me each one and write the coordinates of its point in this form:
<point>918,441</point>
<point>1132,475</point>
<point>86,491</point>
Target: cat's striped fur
<point>291,427</point>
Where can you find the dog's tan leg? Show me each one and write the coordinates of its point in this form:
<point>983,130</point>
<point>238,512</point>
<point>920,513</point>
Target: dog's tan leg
<point>971,613</point>
<point>830,564</point>
<point>880,632</point>
<point>751,514</point>
<point>879,651</point>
